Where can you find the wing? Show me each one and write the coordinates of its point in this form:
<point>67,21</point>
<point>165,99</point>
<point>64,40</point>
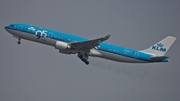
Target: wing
<point>87,45</point>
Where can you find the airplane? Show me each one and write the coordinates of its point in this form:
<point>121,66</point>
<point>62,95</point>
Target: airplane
<point>83,47</point>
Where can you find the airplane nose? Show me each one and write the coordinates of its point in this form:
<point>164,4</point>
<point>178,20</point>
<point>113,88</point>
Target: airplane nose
<point>5,27</point>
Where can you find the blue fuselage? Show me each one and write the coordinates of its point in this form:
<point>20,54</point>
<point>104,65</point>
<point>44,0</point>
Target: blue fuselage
<point>104,50</point>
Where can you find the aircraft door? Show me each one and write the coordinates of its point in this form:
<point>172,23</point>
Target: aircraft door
<point>136,55</point>
<point>20,27</point>
<point>50,35</point>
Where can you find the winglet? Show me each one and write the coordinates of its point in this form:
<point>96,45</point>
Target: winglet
<point>103,38</point>
<point>107,37</point>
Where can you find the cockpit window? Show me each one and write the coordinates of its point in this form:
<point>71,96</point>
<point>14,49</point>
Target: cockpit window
<point>12,25</point>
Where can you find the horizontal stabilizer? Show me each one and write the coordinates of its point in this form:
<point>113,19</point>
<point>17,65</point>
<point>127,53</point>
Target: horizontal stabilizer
<point>160,58</point>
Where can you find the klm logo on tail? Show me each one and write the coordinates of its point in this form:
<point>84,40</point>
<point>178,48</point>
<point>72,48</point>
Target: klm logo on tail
<point>159,47</point>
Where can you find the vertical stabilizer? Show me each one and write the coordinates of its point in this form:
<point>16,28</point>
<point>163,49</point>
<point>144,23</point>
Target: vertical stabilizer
<point>160,48</point>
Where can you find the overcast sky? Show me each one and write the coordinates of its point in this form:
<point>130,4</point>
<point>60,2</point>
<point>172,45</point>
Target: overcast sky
<point>36,72</point>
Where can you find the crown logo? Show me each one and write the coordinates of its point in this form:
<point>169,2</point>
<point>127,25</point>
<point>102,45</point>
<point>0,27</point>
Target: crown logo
<point>160,45</point>
<point>31,29</point>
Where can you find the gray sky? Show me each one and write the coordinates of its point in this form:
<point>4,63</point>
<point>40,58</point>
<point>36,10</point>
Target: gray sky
<point>35,72</point>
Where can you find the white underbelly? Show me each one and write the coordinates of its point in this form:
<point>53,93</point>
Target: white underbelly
<point>114,57</point>
<point>32,37</point>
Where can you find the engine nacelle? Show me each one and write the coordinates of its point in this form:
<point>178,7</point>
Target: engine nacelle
<point>62,45</point>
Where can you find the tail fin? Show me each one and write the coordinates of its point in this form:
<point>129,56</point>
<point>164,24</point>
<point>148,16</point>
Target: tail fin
<point>160,48</point>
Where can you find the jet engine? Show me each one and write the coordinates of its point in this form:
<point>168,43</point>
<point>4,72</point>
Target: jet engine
<point>63,47</point>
